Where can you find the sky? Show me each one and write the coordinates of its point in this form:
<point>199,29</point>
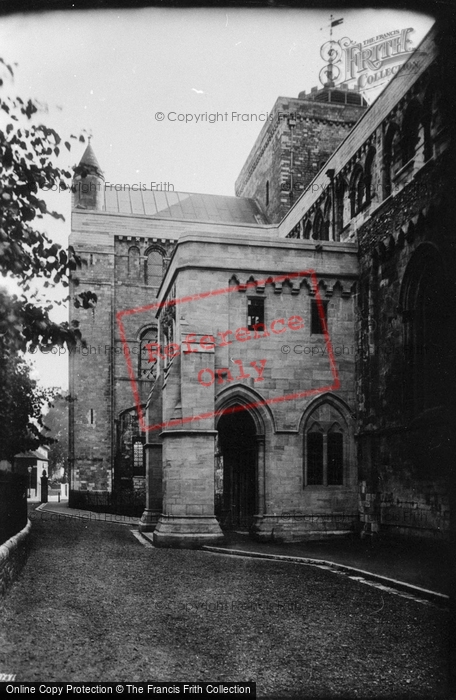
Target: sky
<point>109,73</point>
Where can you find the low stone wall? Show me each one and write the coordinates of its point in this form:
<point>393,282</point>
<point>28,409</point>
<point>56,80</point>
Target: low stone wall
<point>301,527</point>
<point>408,513</point>
<point>13,554</point>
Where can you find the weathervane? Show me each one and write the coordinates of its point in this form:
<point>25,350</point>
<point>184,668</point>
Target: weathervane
<point>329,52</point>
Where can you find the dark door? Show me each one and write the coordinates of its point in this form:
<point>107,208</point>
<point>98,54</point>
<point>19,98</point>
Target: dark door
<point>237,445</point>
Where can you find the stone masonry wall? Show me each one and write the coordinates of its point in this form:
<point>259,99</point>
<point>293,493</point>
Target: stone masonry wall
<point>282,155</point>
<point>274,366</point>
<point>90,372</point>
<point>99,381</point>
<point>404,459</point>
<point>13,554</point>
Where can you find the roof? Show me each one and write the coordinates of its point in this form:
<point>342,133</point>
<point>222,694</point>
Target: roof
<point>36,454</point>
<point>89,159</point>
<point>336,94</point>
<point>182,205</point>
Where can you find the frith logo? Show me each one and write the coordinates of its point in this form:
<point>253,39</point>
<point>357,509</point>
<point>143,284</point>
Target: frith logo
<point>370,62</point>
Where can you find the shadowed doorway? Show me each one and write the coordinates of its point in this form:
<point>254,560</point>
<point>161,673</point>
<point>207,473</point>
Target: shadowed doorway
<point>237,456</point>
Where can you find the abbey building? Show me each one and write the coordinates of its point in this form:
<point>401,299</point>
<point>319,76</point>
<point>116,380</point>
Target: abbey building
<point>277,362</point>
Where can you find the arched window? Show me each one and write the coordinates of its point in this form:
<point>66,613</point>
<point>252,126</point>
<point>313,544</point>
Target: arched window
<point>138,456</point>
<point>168,326</point>
<point>340,204</point>
<point>327,216</point>
<point>356,190</point>
<point>326,448</point>
<point>411,131</point>
<point>267,192</point>
<point>368,167</point>
<point>307,230</point>
<point>319,227</point>
<point>314,454</point>
<point>391,157</point>
<point>147,369</point>
<point>130,460</point>
<point>428,103</point>
<point>133,262</point>
<point>335,443</point>
<point>154,268</point>
<point>425,319</point>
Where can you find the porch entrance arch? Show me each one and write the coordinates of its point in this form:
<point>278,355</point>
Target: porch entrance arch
<point>236,462</point>
<point>243,422</point>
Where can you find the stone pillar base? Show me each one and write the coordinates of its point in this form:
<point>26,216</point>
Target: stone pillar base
<point>149,520</point>
<point>262,528</point>
<point>187,531</point>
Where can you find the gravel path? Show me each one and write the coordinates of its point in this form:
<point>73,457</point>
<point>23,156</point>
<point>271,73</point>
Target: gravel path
<point>93,604</point>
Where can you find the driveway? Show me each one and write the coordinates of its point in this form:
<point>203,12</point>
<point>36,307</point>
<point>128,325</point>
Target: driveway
<point>93,604</point>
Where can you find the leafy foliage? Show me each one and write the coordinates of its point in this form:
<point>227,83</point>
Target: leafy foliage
<point>57,423</point>
<point>21,403</point>
<point>27,255</point>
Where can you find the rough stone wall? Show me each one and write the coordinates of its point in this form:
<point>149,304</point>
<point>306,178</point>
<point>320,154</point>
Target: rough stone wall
<point>404,458</point>
<point>13,554</point>
<point>100,385</point>
<point>288,158</point>
<point>132,292</point>
<point>91,417</point>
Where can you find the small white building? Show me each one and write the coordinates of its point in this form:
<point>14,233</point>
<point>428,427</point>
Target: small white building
<point>33,463</point>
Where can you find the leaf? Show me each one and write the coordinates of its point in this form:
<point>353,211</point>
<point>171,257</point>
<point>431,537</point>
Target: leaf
<point>27,254</point>
<point>56,215</point>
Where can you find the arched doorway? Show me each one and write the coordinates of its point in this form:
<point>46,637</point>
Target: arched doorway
<point>236,500</point>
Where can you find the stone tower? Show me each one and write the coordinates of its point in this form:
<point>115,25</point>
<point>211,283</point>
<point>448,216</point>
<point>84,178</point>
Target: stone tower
<point>88,183</point>
<point>91,432</point>
<point>295,144</point>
